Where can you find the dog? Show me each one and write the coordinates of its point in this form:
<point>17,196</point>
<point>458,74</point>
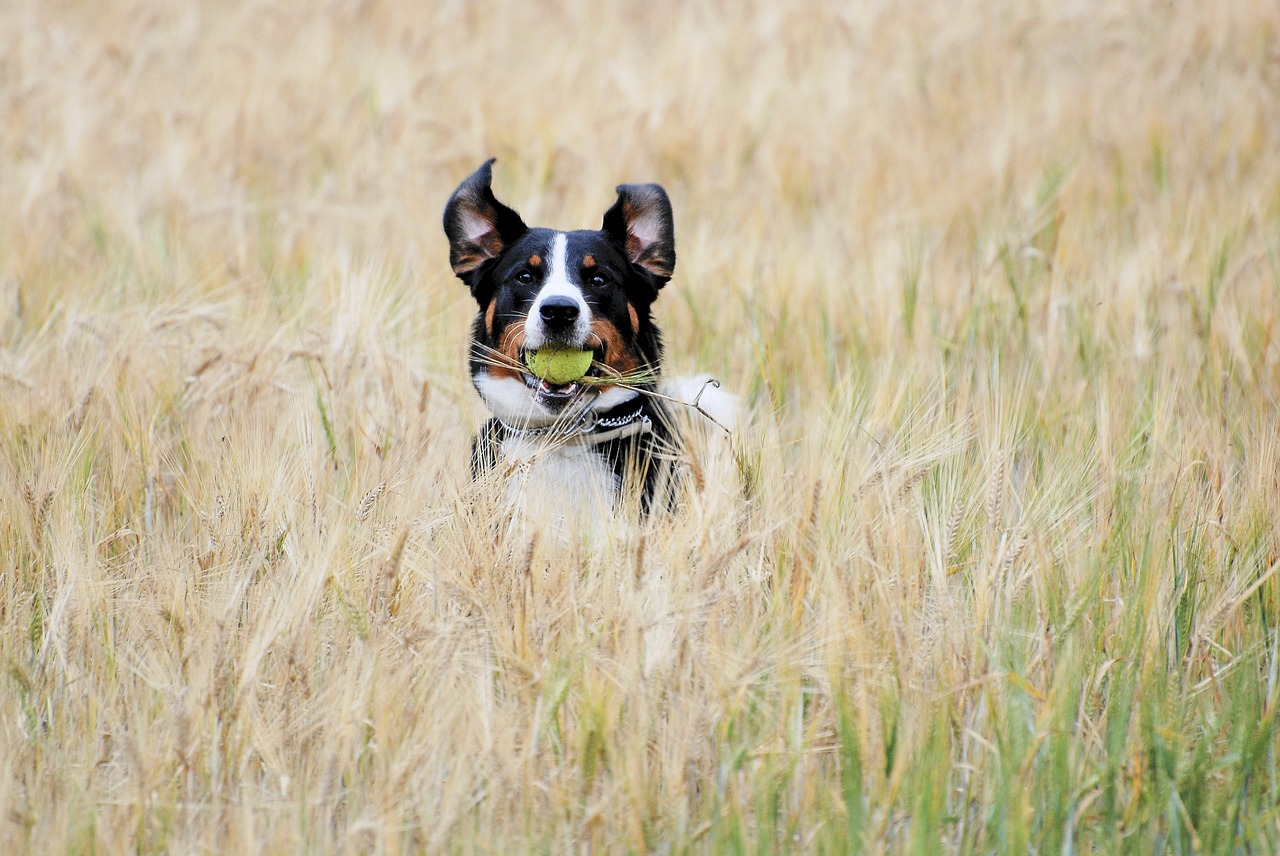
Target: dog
<point>591,440</point>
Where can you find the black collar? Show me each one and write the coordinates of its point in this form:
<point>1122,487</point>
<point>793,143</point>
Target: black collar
<point>589,427</point>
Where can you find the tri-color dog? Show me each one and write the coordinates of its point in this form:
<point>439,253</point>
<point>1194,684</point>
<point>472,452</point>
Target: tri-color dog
<point>542,291</point>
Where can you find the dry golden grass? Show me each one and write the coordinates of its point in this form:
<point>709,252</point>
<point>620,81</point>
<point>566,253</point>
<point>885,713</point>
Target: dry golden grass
<point>995,571</point>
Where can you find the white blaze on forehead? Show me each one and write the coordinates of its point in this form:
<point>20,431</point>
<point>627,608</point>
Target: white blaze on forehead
<point>558,284</point>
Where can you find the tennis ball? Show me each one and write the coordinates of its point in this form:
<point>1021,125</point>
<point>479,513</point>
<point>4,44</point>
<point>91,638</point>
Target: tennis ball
<point>558,365</point>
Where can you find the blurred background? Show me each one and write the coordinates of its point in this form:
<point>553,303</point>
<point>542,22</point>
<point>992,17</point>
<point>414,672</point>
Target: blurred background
<point>814,151</point>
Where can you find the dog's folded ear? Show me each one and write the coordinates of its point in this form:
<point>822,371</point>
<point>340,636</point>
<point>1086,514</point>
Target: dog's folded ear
<point>477,224</point>
<point>641,222</point>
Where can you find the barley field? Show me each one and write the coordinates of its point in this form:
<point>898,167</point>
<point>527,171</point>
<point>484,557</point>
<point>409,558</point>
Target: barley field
<point>989,566</point>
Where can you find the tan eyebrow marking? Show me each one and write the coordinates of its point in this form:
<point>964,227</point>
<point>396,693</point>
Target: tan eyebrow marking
<point>535,260</point>
<point>588,261</point>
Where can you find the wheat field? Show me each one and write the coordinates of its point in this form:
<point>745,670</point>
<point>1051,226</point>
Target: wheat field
<point>990,565</point>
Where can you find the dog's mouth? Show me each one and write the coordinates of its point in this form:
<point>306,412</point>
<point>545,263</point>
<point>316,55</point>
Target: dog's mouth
<point>557,396</point>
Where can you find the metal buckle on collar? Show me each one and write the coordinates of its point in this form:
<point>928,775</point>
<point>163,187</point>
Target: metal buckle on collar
<point>586,422</point>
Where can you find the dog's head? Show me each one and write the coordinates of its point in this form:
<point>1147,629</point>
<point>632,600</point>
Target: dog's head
<point>539,288</point>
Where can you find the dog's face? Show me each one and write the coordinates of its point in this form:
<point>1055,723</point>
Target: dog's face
<point>536,288</point>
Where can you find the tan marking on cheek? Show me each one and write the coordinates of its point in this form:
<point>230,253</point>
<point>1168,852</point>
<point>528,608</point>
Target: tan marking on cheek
<point>503,372</point>
<point>508,354</point>
<point>618,354</point>
<point>488,317</point>
<point>513,341</point>
<point>635,318</point>
<point>588,261</point>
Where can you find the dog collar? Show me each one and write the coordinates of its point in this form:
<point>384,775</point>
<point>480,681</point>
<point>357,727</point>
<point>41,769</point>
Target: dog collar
<point>588,428</point>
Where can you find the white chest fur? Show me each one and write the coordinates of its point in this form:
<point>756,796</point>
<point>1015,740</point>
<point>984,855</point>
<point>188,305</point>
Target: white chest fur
<point>563,481</point>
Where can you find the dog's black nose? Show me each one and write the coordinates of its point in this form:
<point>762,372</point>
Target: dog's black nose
<point>559,311</point>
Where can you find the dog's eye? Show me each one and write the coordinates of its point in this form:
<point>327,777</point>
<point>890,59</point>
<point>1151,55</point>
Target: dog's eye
<point>524,277</point>
<point>598,281</point>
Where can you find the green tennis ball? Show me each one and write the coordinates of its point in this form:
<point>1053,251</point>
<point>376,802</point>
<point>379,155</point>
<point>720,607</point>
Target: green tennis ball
<point>558,365</point>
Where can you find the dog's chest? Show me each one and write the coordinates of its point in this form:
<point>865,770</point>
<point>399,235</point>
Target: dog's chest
<point>557,479</point>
